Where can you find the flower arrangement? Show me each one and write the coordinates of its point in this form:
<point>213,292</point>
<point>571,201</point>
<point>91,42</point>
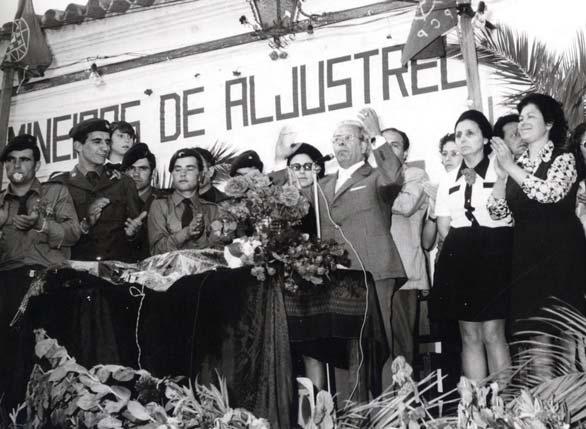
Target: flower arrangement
<point>67,395</point>
<point>257,200</point>
<point>275,246</point>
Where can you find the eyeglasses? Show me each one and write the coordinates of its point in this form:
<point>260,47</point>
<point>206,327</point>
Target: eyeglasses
<point>308,166</point>
<point>345,139</point>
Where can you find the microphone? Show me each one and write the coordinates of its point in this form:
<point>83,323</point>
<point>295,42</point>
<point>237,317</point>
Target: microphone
<point>327,157</point>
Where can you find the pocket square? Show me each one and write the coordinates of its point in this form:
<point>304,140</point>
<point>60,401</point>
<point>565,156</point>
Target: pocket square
<point>357,188</point>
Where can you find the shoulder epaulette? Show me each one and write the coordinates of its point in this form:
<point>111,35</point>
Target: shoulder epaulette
<point>59,177</point>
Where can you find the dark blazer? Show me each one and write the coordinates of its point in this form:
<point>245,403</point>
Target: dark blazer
<point>106,239</point>
<point>361,210</point>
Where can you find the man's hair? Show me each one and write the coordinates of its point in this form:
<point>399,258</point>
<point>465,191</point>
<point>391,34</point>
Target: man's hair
<point>498,130</point>
<point>403,135</point>
<point>21,142</point>
<point>186,153</point>
<point>123,127</point>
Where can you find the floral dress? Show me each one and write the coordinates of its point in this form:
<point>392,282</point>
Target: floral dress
<point>549,247</point>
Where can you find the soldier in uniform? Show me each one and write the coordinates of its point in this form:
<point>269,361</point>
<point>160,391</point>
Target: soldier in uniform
<point>139,164</point>
<point>38,226</point>
<point>182,220</point>
<point>207,190</point>
<point>106,201</point>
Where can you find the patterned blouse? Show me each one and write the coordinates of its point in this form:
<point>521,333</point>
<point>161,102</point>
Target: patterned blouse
<point>560,177</point>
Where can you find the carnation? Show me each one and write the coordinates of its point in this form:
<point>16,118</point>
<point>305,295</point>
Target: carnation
<point>289,196</point>
<point>236,186</point>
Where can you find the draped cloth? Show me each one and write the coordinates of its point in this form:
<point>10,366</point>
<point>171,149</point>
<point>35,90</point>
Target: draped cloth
<point>218,322</point>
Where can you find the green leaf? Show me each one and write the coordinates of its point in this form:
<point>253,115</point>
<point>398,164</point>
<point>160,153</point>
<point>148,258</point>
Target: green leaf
<point>43,346</point>
<point>123,374</point>
<point>121,392</point>
<point>137,410</point>
<point>109,423</point>
<point>87,402</point>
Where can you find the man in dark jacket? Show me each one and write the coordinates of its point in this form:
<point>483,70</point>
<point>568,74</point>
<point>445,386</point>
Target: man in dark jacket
<point>106,201</point>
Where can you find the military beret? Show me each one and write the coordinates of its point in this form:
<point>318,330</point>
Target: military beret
<point>186,153</point>
<point>246,159</point>
<point>136,152</point>
<point>21,142</point>
<point>80,131</point>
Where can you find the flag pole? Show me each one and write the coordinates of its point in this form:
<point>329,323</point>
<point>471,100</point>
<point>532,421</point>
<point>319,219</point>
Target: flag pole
<point>5,99</point>
<point>468,48</point>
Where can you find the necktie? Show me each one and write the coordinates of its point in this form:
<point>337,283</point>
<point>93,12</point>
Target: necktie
<point>93,178</point>
<point>22,209</point>
<point>187,215</point>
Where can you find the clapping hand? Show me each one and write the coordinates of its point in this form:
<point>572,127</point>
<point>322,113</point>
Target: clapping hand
<point>196,226</point>
<point>132,226</point>
<point>26,222</point>
<point>504,156</point>
<point>95,209</point>
<point>369,119</point>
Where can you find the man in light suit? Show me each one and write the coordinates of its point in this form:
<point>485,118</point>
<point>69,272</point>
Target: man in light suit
<point>408,213</point>
<point>355,208</point>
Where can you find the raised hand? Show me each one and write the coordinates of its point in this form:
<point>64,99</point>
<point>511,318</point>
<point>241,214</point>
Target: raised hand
<point>369,119</point>
<point>132,226</point>
<point>286,143</point>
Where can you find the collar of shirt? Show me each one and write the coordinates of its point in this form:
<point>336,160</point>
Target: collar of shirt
<point>177,199</point>
<point>35,187</point>
<point>145,193</point>
<point>480,168</point>
<point>84,172</point>
<point>345,173</point>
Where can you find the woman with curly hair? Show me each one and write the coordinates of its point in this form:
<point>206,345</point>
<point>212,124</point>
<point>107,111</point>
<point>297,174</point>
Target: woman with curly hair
<point>539,191</point>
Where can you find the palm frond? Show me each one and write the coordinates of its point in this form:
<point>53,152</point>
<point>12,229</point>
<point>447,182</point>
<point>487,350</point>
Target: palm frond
<point>526,66</point>
<point>223,155</point>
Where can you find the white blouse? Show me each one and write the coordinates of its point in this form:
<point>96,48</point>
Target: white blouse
<point>465,206</point>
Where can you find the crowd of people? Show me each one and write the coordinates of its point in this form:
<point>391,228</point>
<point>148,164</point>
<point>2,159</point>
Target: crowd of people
<point>505,218</point>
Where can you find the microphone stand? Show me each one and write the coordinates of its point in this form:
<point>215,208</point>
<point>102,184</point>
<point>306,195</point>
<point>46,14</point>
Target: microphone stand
<point>318,232</point>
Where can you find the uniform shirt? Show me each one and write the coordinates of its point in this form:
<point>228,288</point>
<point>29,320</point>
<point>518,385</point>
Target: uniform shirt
<point>106,240</point>
<point>467,204</point>
<point>164,224</point>
<point>52,246</point>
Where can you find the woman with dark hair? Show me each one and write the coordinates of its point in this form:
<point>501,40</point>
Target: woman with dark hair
<point>305,164</point>
<point>539,190</point>
<point>578,148</point>
<point>472,273</point>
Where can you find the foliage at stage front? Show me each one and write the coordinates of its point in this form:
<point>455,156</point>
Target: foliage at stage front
<point>545,389</point>
<point>527,66</point>
<point>67,395</point>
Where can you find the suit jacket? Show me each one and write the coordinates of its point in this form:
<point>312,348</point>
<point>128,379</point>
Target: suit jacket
<point>408,213</point>
<point>106,240</point>
<point>361,210</point>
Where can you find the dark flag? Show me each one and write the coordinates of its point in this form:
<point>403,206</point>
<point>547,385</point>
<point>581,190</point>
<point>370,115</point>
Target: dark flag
<point>28,51</point>
<point>432,19</point>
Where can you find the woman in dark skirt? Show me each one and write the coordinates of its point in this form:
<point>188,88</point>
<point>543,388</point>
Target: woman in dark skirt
<point>473,270</point>
<point>539,190</point>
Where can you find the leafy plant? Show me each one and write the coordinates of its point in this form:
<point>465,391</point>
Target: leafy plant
<point>527,66</point>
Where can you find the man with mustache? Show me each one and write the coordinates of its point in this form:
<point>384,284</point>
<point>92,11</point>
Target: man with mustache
<point>106,201</point>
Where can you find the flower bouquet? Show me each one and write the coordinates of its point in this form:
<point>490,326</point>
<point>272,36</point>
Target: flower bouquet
<point>275,246</point>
